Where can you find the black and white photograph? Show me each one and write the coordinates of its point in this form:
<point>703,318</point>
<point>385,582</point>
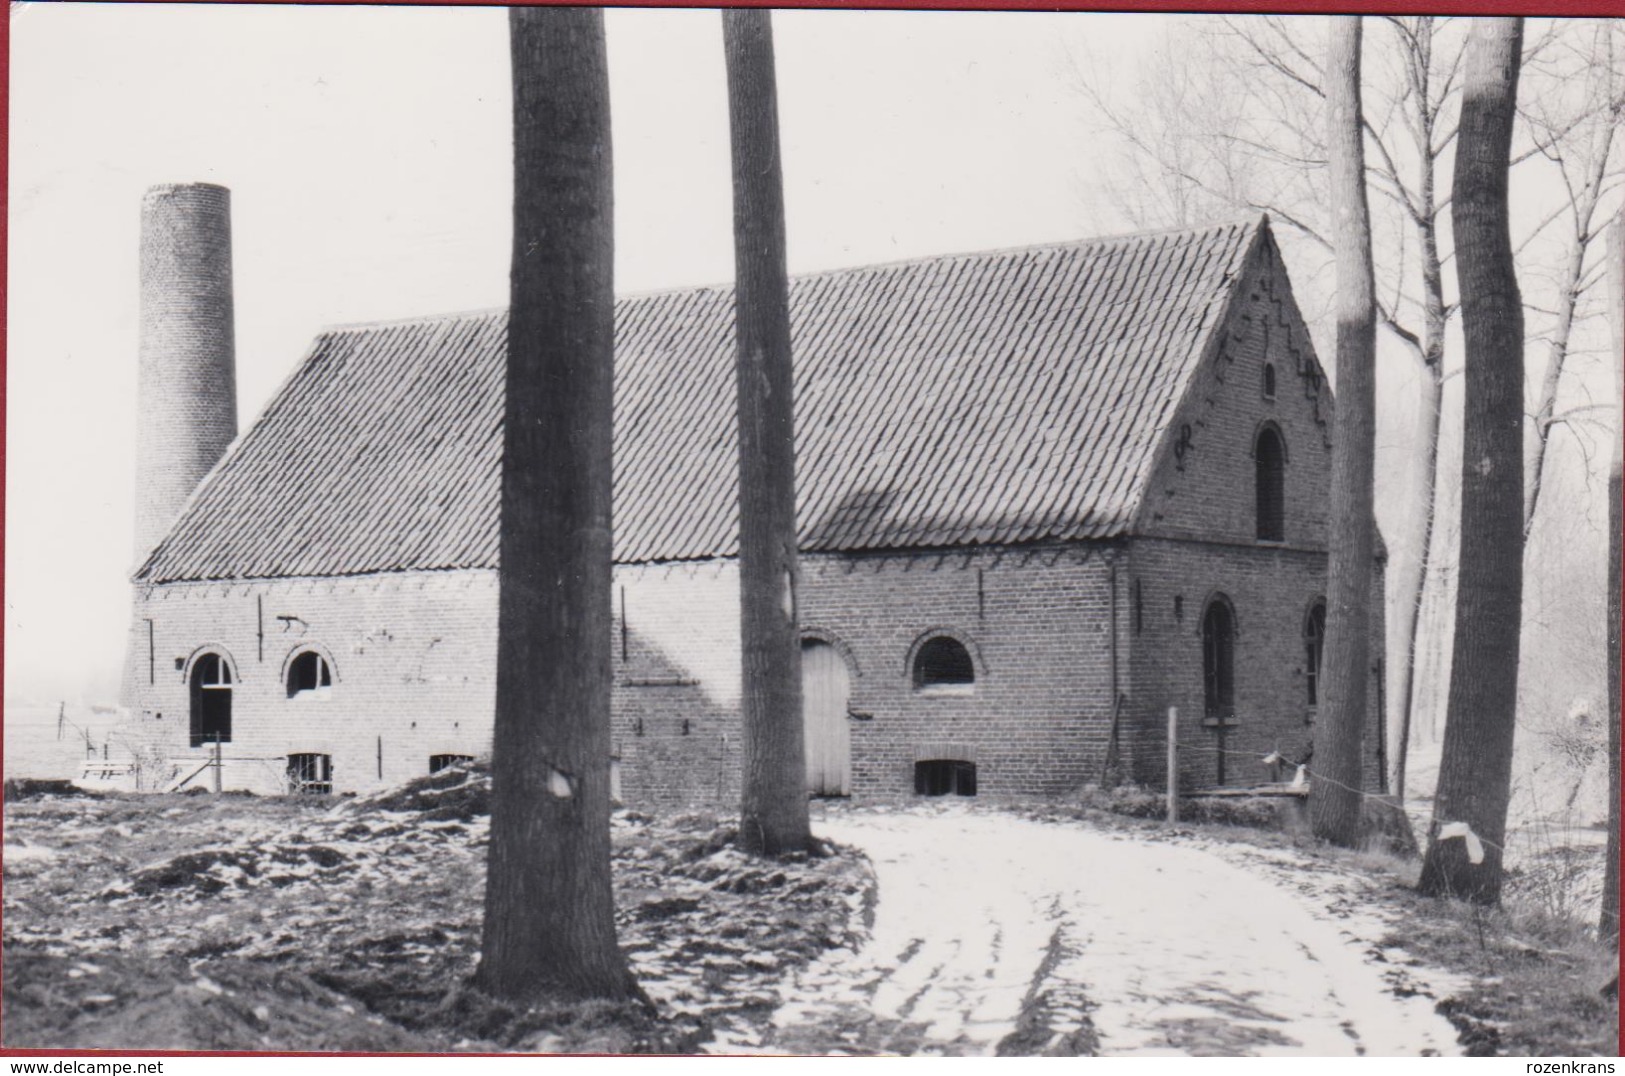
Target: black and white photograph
<point>572,530</point>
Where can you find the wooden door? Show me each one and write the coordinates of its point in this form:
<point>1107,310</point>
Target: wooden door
<point>824,686</point>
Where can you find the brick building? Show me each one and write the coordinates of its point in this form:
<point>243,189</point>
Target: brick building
<point>1044,495</point>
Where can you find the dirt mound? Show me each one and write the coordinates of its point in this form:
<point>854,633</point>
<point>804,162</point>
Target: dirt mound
<point>119,1002</point>
<point>26,788</point>
<point>375,903</point>
<point>459,793</point>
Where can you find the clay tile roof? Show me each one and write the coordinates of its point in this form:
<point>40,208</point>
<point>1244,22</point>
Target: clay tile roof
<point>995,398</point>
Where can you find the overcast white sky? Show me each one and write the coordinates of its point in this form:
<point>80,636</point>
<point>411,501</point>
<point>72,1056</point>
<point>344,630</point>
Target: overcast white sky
<point>367,150</point>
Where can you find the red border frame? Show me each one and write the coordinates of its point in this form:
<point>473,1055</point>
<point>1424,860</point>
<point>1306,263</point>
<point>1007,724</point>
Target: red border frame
<point>1534,8</point>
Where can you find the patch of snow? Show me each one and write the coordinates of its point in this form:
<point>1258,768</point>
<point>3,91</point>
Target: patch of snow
<point>24,853</point>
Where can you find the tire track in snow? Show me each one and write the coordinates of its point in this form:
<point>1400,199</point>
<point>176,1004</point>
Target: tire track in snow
<point>1154,946</point>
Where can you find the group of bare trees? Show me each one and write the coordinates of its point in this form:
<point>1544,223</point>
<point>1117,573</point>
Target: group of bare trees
<point>1267,116</point>
<point>549,909</point>
<point>1241,124</point>
<point>1468,831</point>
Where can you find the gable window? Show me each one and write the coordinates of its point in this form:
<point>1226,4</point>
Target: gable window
<point>210,687</point>
<point>1218,661</point>
<point>310,774</point>
<point>1269,456</point>
<point>309,674</point>
<point>943,662</point>
<point>1314,637</point>
<point>1269,381</point>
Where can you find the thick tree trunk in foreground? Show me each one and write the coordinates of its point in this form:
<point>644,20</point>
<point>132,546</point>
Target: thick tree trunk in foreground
<point>773,814</point>
<point>1608,922</point>
<point>1335,799</point>
<point>549,911</point>
<point>1476,767</point>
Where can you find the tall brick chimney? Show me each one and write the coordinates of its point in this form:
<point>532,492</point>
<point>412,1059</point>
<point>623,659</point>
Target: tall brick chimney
<point>187,399</point>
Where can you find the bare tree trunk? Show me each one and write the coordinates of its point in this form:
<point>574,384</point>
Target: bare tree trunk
<point>1335,792</point>
<point>1427,504</point>
<point>1568,298</point>
<point>1608,921</point>
<point>1476,767</point>
<point>773,814</point>
<point>549,911</point>
<point>1582,149</point>
<point>1434,320</point>
<point>1556,352</point>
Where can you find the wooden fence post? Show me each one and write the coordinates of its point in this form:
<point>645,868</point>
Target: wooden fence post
<point>1173,765</point>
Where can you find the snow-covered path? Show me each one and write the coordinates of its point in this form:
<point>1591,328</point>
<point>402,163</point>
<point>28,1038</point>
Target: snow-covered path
<point>994,929</point>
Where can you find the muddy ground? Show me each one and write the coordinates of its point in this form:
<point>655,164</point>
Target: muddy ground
<point>245,923</point>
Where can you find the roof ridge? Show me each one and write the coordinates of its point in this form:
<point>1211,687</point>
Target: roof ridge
<point>412,319</point>
<point>1110,239</point>
<point>1249,220</point>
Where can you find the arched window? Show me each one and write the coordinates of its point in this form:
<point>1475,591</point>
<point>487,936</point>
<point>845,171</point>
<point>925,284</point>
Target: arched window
<point>1269,456</point>
<point>210,685</point>
<point>943,662</point>
<point>1269,381</point>
<point>309,674</point>
<point>1314,639</point>
<point>1218,660</point>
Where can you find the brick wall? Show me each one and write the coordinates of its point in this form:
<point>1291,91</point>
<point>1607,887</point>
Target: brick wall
<point>1271,591</point>
<point>413,660</point>
<point>1033,722</point>
<point>677,683</point>
<point>413,657</point>
<point>1036,624</point>
<point>187,395</point>
<point>1200,519</point>
<point>1207,492</point>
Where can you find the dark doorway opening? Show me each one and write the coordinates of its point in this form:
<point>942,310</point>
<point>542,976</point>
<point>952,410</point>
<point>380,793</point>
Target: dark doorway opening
<point>945,777</point>
<point>211,701</point>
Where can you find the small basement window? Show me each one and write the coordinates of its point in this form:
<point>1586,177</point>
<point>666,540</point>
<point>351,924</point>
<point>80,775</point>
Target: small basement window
<point>445,762</point>
<point>310,774</point>
<point>945,777</point>
<point>310,673</point>
<point>944,662</point>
